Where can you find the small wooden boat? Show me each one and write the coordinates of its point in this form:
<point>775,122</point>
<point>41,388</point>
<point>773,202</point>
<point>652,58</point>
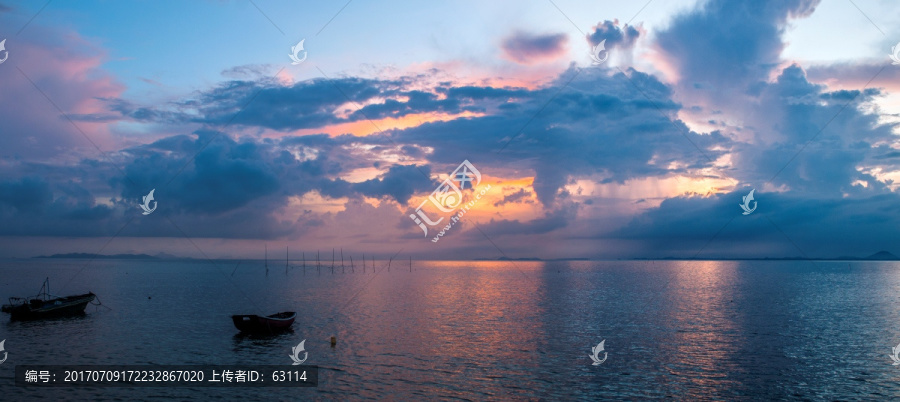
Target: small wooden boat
<point>45,305</point>
<point>264,324</point>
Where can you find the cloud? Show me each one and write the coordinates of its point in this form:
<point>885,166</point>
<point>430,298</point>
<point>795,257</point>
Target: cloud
<point>820,155</point>
<point>515,197</point>
<point>551,221</point>
<point>311,104</point>
<point>34,206</point>
<point>817,153</point>
<point>784,225</point>
<point>856,75</point>
<point>595,124</point>
<point>728,44</point>
<point>48,71</point>
<point>616,37</point>
<point>526,48</point>
<point>399,183</point>
<point>26,195</point>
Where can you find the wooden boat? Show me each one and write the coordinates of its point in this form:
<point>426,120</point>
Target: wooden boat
<point>264,324</point>
<point>45,305</point>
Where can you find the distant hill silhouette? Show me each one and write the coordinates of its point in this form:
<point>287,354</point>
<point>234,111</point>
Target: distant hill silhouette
<point>102,256</point>
<point>882,256</point>
<point>879,256</point>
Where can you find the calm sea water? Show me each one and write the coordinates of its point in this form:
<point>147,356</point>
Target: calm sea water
<point>481,330</point>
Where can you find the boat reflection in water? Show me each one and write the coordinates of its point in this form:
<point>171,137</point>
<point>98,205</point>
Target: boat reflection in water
<point>45,305</point>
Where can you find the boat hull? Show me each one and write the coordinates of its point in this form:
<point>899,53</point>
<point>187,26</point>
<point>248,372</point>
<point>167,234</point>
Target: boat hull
<point>39,309</point>
<point>252,323</point>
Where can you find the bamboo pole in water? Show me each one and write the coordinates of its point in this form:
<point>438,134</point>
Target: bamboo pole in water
<point>352,270</point>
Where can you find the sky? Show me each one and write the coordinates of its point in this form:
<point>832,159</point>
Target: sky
<point>646,152</point>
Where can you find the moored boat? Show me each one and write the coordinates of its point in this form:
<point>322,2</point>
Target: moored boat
<point>264,324</point>
<point>45,305</point>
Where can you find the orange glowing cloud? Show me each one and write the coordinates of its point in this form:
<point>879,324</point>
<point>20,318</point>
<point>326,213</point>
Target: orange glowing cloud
<point>363,128</point>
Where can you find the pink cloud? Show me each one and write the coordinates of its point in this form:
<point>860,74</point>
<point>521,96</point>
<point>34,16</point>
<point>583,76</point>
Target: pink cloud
<point>48,71</point>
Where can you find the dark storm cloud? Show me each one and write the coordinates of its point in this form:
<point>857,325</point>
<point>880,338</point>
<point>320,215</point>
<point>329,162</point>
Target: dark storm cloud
<point>25,195</point>
<point>304,105</point>
<point>483,93</point>
<point>228,188</point>
<point>526,48</point>
<point>597,124</point>
<point>228,174</point>
<point>616,125</point>
<point>399,183</point>
<point>820,227</point>
<point>35,206</point>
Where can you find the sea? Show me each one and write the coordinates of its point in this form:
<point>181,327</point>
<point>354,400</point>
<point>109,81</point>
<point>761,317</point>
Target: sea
<point>482,330</point>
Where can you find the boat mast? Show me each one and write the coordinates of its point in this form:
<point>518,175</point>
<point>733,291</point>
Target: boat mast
<point>45,289</point>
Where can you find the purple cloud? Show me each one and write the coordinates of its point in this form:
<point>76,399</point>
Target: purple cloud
<point>525,48</point>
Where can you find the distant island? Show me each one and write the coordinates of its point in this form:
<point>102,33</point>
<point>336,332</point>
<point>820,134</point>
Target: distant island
<point>879,256</point>
<point>531,259</point>
<point>159,256</point>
